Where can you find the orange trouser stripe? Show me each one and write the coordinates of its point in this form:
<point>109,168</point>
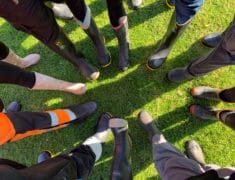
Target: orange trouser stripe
<point>7,130</point>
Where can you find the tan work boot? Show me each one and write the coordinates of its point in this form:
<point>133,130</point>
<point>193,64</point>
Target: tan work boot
<point>25,62</point>
<point>44,82</point>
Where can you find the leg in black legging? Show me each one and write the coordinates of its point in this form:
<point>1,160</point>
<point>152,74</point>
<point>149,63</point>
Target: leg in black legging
<point>11,74</point>
<point>4,51</point>
<point>228,95</point>
<point>116,11</point>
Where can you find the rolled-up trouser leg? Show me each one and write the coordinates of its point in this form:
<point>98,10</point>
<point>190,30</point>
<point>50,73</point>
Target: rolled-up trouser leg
<point>228,118</point>
<point>75,165</point>
<point>171,163</point>
<point>116,11</point>
<point>186,10</point>
<point>222,55</point>
<point>4,51</point>
<point>12,74</point>
<point>228,95</point>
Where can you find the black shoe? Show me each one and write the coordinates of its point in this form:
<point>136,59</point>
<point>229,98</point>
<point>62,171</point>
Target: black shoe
<point>103,54</point>
<point>82,111</point>
<point>65,48</point>
<point>146,122</point>
<point>43,156</point>
<point>123,46</point>
<point>14,106</point>
<point>174,31</point>
<point>102,128</point>
<point>121,168</point>
<point>212,40</point>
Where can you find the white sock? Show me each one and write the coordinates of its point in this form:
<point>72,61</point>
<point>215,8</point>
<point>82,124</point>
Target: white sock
<point>95,145</point>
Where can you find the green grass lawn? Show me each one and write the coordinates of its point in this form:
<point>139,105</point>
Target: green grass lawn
<point>124,94</point>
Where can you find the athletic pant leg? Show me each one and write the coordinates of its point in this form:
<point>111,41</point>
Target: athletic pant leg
<point>75,165</point>
<point>4,51</point>
<point>171,163</point>
<point>186,10</point>
<point>31,16</point>
<point>11,74</point>
<point>115,11</point>
<point>228,95</point>
<point>222,55</point>
<point>228,118</point>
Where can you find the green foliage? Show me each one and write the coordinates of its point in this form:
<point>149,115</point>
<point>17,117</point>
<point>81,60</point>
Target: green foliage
<point>125,94</point>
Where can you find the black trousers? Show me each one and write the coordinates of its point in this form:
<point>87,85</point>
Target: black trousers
<point>11,74</point>
<point>228,95</point>
<point>222,55</point>
<point>76,165</point>
<point>115,10</point>
<point>40,19</point>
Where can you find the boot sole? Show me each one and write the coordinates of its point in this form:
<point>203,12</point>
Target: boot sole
<point>169,5</point>
<point>149,68</point>
<point>106,65</point>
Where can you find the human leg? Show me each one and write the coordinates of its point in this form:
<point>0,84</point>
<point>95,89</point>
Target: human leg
<point>118,20</point>
<point>24,124</point>
<point>170,162</point>
<point>222,55</point>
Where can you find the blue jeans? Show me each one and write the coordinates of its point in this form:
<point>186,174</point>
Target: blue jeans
<point>186,9</point>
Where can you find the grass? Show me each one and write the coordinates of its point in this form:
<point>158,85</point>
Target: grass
<point>125,94</point>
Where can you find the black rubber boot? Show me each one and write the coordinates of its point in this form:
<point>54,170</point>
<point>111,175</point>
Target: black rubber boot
<point>212,40</point>
<point>65,48</point>
<point>170,3</point>
<point>13,107</point>
<point>123,46</point>
<point>203,113</point>
<point>82,111</point>
<point>146,122</point>
<point>121,168</point>
<point>179,74</point>
<point>205,92</point>
<point>103,54</point>
<point>43,156</point>
<point>173,33</point>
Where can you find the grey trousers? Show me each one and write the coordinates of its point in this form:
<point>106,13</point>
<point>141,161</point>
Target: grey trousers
<point>222,55</point>
<point>172,164</point>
